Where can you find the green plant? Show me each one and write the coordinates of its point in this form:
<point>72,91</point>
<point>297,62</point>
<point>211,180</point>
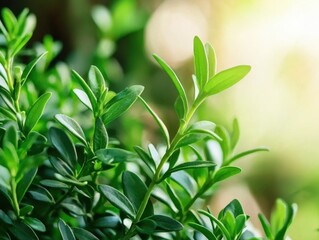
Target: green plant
<point>62,181</point>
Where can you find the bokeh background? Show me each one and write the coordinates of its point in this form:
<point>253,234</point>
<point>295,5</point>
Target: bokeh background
<point>276,105</point>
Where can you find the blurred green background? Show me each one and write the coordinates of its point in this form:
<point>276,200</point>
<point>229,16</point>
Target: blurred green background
<point>276,105</point>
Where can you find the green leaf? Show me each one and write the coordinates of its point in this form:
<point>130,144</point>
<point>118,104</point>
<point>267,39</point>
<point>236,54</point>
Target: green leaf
<point>235,134</point>
<point>60,166</point>
<point>65,230</point>
<point>107,222</point>
<point>73,208</point>
<point>83,97</point>
<point>121,103</point>
<point>35,112</point>
<point>188,165</point>
<point>190,138</point>
<point>53,183</point>
<point>225,172</point>
<point>35,224</point>
<point>9,158</point>
<point>72,126</point>
<point>175,80</point>
<point>114,155</point>
<point>204,230</point>
<point>201,63</point>
<point>22,231</point>
<point>20,43</point>
<point>82,234</point>
<point>146,226</point>
<point>225,79</point>
<point>266,226</point>
<point>118,199</point>
<point>218,223</point>
<point>290,213</point>
<point>42,195</point>
<point>63,144</point>
<point>175,199</point>
<point>179,108</point>
<point>6,97</point>
<point>86,88</point>
<point>8,114</point>
<point>101,138</point>
<point>5,218</point>
<point>212,61</point>
<point>25,183</point>
<point>26,210</point>
<point>158,121</point>
<point>134,188</point>
<point>27,70</point>
<point>11,135</point>
<point>166,224</point>
<point>9,19</point>
<point>96,81</point>
<point>234,207</point>
<point>145,158</point>
<point>245,153</point>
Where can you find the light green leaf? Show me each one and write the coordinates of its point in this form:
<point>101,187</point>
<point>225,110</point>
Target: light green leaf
<point>201,63</point>
<point>212,61</point>
<point>8,114</point>
<point>86,88</point>
<point>266,226</point>
<point>225,79</point>
<point>72,126</point>
<point>96,81</point>
<point>114,155</point>
<point>145,158</point>
<point>225,172</point>
<point>118,199</point>
<point>27,70</point>
<point>9,19</point>
<point>100,139</point>
<point>53,183</point>
<point>158,121</point>
<point>20,43</point>
<point>66,231</point>
<point>35,224</point>
<point>121,103</point>
<point>188,165</point>
<point>24,183</point>
<point>245,153</point>
<point>179,108</point>
<point>175,80</point>
<point>34,113</point>
<point>235,133</point>
<point>83,97</point>
<point>175,199</point>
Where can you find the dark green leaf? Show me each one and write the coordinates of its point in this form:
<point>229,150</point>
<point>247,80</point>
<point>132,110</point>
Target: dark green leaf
<point>175,199</point>
<point>100,139</point>
<point>26,210</point>
<point>82,234</point>
<point>63,144</point>
<point>204,230</point>
<point>146,158</point>
<point>22,232</point>
<point>27,70</point>
<point>158,120</point>
<point>165,223</point>
<point>121,103</point>
<point>114,155</point>
<point>34,223</point>
<point>83,97</point>
<point>53,183</point>
<point>35,112</point>
<point>234,207</point>
<point>71,125</point>
<point>146,226</point>
<point>25,183</point>
<point>5,218</point>
<point>175,80</point>
<point>73,208</point>
<point>225,79</point>
<point>60,166</point>
<point>41,194</point>
<point>201,63</point>
<point>85,87</point>
<point>189,165</point>
<point>117,199</point>
<point>66,231</point>
<point>225,172</point>
<point>134,188</point>
<point>107,222</point>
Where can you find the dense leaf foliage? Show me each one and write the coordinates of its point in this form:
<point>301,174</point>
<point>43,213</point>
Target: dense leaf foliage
<point>63,175</point>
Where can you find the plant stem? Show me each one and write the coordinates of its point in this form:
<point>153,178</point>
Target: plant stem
<point>182,128</point>
<point>14,196</point>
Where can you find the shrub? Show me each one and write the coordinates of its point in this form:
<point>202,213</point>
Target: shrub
<point>62,181</point>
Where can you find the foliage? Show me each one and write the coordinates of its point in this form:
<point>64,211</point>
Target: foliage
<point>60,180</point>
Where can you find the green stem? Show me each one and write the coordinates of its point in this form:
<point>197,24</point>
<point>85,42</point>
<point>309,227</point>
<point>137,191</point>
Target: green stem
<point>182,128</point>
<point>14,197</point>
